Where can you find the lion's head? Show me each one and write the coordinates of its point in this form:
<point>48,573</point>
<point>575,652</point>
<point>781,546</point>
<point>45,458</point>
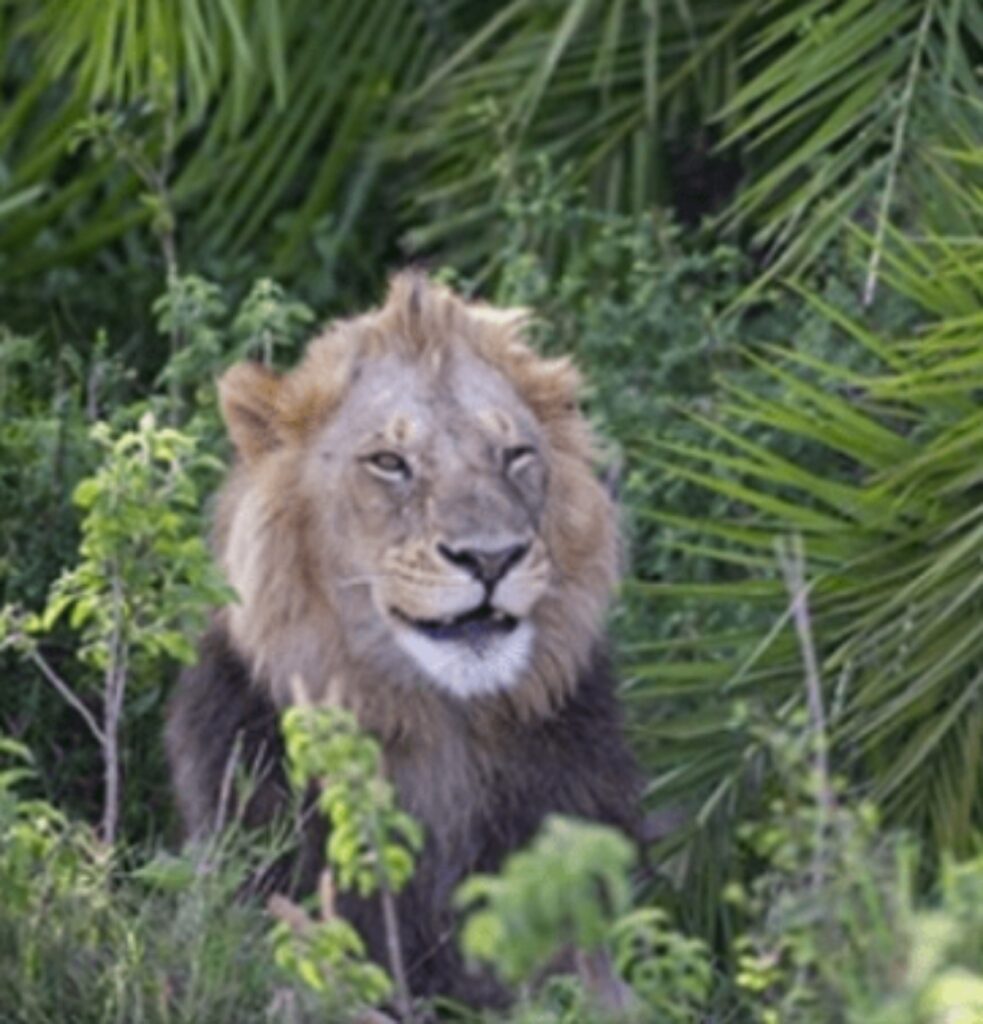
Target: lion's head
<point>415,509</point>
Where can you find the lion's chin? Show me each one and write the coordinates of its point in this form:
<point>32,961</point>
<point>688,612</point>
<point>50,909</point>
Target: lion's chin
<point>469,665</point>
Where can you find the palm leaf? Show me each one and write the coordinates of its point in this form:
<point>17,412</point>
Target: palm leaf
<point>258,136</point>
<point>837,90</point>
<point>599,86</point>
<point>892,524</point>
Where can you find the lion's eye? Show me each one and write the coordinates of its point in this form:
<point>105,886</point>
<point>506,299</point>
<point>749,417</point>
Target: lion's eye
<point>388,464</point>
<point>519,456</point>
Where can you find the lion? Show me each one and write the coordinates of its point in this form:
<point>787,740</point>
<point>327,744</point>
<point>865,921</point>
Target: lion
<point>414,528</point>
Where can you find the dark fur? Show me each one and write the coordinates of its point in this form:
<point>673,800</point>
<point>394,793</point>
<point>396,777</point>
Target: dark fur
<point>573,762</point>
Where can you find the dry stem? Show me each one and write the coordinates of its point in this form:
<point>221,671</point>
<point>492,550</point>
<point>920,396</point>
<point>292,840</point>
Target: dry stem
<point>38,659</point>
<point>792,560</point>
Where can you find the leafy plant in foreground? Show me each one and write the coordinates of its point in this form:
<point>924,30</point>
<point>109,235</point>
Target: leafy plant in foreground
<point>42,855</point>
<point>370,849</point>
<point>834,927</point>
<point>567,898</point>
<point>82,938</point>
<point>144,581</point>
<point>564,891</point>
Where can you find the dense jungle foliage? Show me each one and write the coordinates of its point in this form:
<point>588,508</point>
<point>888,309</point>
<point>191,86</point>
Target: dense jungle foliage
<point>759,228</point>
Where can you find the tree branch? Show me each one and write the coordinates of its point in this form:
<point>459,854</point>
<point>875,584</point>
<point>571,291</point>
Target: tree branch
<point>38,659</point>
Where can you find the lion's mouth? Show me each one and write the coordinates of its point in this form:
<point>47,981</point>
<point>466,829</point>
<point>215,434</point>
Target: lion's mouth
<point>478,625</point>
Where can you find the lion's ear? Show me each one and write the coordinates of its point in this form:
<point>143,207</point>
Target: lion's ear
<point>248,397</point>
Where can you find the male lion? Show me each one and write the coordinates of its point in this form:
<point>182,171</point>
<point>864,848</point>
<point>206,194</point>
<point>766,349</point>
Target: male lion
<point>414,529</point>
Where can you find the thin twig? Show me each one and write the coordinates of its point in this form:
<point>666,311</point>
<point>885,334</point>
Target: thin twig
<point>115,688</point>
<point>894,160</point>
<point>793,566</point>
<point>228,778</point>
<point>65,690</point>
<point>394,949</point>
<point>603,986</point>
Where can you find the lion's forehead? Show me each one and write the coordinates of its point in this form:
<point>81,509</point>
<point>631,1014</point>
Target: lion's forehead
<point>409,402</point>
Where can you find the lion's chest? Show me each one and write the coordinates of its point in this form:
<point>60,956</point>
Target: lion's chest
<point>442,784</point>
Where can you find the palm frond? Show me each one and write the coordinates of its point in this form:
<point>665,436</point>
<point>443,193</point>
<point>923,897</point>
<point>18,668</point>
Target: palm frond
<point>257,140</point>
<point>845,106</point>
<point>601,87</point>
<point>890,510</point>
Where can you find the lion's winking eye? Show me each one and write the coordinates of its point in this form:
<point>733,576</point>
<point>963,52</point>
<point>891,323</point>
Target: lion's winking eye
<point>518,457</point>
<point>388,464</point>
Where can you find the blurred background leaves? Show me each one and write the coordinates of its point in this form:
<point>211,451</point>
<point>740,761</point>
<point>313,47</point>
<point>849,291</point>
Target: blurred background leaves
<point>337,136</point>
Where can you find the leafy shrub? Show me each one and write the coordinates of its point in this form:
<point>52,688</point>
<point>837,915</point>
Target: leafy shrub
<point>370,849</point>
<point>42,856</point>
<point>144,581</point>
<point>836,928</point>
<point>140,510</point>
<point>568,896</point>
<point>565,891</point>
<point>82,937</point>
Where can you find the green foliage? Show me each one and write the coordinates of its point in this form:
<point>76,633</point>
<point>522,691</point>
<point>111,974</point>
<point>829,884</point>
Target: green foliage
<point>568,896</point>
<point>145,579</point>
<point>835,930</point>
<point>201,147</point>
<point>888,512</point>
<point>81,936</point>
<point>640,305</point>
<point>55,396</point>
<point>328,957</point>
<point>118,54</point>
<point>612,89</point>
<point>206,336</point>
<point>852,107</point>
<point>318,142</point>
<point>44,450</point>
<point>273,154</point>
<point>42,856</point>
<point>566,890</point>
<point>670,973</point>
<point>372,843</point>
<point>371,848</point>
<point>188,313</point>
<point>268,319</point>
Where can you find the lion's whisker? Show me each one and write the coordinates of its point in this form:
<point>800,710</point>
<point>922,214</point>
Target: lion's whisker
<point>434,581</point>
<point>357,581</point>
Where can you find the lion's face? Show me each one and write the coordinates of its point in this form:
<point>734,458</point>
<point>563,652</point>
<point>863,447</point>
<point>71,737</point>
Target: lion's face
<point>433,484</point>
<point>415,505</point>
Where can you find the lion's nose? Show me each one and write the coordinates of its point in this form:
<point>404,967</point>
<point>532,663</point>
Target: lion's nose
<point>487,566</point>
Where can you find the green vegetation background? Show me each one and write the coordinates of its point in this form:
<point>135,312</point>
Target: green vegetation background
<point>757,226</point>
